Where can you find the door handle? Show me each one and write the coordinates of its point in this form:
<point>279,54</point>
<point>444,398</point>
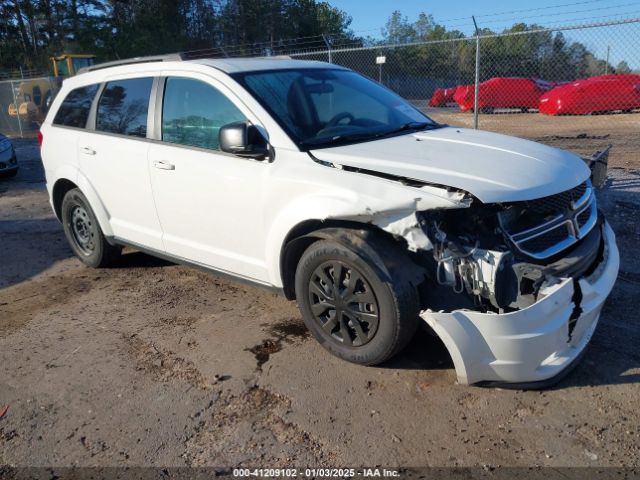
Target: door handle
<point>88,150</point>
<point>162,165</point>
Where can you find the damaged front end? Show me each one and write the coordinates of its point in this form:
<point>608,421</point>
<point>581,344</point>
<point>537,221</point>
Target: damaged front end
<point>516,289</point>
<point>501,255</point>
<point>513,289</point>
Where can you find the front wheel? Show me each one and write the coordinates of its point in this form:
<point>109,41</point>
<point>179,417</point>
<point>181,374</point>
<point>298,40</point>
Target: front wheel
<point>350,308</point>
<point>84,233</point>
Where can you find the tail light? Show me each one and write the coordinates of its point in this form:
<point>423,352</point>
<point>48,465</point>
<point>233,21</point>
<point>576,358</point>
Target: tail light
<point>40,138</point>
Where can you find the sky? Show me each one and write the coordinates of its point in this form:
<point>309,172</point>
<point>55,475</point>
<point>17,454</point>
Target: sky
<point>370,16</point>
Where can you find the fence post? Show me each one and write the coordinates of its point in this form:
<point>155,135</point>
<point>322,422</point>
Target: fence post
<point>15,102</point>
<point>476,93</point>
<point>328,44</point>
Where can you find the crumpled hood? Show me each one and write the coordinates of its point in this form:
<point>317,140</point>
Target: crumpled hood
<point>490,166</point>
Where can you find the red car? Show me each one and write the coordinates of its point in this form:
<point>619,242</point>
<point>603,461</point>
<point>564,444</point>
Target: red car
<point>593,95</point>
<point>503,92</point>
<point>442,96</point>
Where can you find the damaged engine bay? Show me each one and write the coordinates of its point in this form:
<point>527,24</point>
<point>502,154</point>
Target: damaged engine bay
<point>498,257</point>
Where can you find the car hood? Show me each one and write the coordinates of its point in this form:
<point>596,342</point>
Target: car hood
<point>492,167</point>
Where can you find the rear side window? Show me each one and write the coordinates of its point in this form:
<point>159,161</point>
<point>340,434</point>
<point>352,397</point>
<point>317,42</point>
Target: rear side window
<point>123,107</point>
<point>193,112</point>
<point>74,110</point>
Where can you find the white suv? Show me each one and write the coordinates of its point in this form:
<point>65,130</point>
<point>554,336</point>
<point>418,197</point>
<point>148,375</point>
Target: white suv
<point>314,180</point>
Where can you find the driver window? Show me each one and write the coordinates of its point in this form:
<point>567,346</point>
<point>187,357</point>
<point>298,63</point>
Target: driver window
<point>193,112</point>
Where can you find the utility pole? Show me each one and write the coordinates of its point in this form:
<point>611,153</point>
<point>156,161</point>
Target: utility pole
<point>476,96</point>
<point>606,65</point>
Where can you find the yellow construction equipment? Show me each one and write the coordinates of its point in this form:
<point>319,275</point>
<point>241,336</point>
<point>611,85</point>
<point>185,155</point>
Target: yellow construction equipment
<point>33,96</point>
<point>68,64</point>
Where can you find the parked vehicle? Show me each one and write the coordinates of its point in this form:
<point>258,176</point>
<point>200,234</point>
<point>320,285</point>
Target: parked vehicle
<point>461,92</point>
<point>503,92</point>
<point>311,179</point>
<point>8,160</point>
<point>442,96</point>
<point>600,94</point>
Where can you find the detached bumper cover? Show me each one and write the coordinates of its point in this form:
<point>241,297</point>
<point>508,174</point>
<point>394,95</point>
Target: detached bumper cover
<point>534,344</point>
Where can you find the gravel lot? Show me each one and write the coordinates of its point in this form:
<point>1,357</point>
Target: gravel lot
<point>150,363</point>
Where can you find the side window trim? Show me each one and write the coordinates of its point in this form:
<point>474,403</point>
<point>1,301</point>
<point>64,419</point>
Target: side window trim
<point>153,119</point>
<point>91,120</point>
<point>160,84</point>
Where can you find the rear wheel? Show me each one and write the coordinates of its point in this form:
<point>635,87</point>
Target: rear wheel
<point>84,233</point>
<point>350,308</point>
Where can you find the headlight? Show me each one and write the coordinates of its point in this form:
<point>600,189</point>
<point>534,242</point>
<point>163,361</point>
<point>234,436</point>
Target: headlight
<point>5,144</point>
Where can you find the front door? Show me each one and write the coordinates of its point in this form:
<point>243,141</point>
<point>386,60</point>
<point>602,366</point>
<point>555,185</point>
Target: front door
<point>210,203</point>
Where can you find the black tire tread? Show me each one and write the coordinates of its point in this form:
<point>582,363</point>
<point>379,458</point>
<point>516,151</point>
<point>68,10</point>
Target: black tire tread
<point>404,300</point>
<point>106,254</point>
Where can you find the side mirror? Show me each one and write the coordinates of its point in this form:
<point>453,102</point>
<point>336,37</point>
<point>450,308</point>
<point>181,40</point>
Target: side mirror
<point>244,140</point>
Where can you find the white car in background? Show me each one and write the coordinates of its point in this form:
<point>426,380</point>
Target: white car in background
<point>314,180</point>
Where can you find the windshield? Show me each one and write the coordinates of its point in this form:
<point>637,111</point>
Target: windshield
<point>327,107</point>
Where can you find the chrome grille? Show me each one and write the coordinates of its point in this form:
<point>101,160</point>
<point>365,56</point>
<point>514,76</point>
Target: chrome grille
<point>568,217</point>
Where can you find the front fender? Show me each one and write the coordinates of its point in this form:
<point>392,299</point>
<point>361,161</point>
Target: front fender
<point>312,207</point>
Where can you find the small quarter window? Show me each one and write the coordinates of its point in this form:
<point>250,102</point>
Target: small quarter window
<point>74,110</point>
<point>123,107</point>
<point>193,112</point>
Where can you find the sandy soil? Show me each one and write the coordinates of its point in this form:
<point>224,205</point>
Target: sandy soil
<point>150,363</point>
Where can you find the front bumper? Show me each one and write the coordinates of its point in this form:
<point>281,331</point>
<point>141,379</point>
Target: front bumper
<point>532,345</point>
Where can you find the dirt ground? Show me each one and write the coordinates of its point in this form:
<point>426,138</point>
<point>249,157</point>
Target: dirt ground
<point>150,363</point>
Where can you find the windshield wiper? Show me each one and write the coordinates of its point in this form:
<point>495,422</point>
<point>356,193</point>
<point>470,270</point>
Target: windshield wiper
<point>356,137</point>
<point>338,139</point>
<point>412,126</point>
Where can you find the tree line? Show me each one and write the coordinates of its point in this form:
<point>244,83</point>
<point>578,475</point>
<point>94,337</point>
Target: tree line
<point>33,30</point>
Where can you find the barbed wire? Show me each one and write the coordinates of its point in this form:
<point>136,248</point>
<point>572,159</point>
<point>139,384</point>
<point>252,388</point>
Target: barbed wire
<point>382,46</point>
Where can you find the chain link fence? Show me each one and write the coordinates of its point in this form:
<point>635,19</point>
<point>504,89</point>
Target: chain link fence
<point>24,104</point>
<point>576,87</point>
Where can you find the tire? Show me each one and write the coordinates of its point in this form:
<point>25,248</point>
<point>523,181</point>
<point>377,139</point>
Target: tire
<point>83,232</point>
<point>369,341</point>
<point>9,174</point>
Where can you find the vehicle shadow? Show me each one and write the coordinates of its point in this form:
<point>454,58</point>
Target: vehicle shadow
<point>425,352</point>
<point>30,247</point>
<point>135,259</point>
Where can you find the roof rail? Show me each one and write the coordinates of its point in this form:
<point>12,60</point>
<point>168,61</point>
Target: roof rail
<point>173,57</point>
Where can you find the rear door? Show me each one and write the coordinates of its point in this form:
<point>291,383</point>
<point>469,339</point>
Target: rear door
<point>210,203</point>
<point>113,156</point>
